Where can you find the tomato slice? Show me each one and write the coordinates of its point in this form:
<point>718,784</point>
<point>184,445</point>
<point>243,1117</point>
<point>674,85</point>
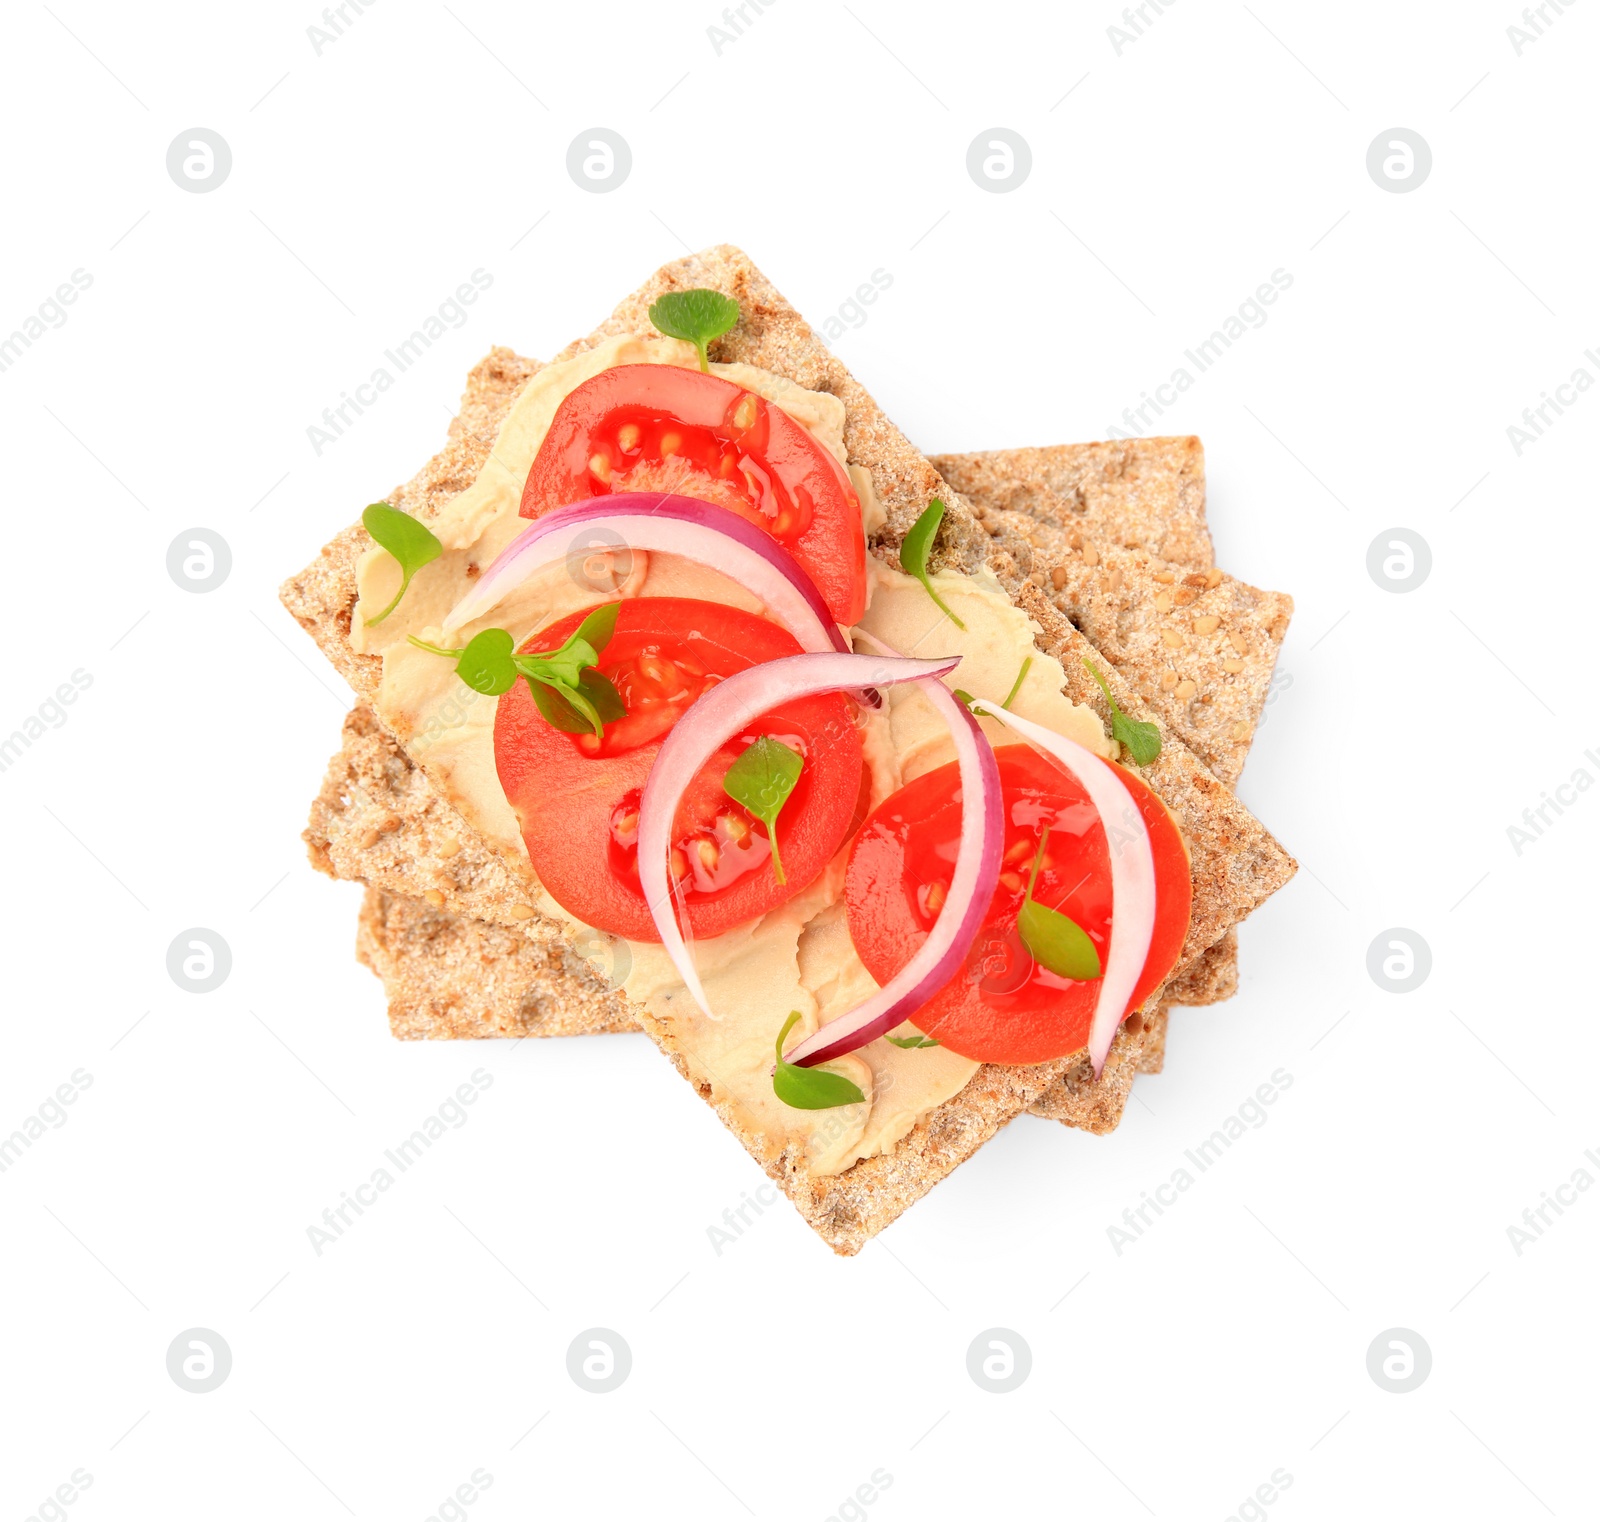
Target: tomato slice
<point>1003,1006</point>
<point>662,428</point>
<point>577,796</point>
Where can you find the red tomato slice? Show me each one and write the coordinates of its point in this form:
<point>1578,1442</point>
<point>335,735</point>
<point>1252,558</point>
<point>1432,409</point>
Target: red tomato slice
<point>577,796</point>
<point>661,428</point>
<point>1004,1007</point>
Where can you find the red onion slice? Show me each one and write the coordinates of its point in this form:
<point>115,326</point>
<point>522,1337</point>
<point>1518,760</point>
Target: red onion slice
<point>1133,872</point>
<point>730,707</point>
<point>943,954</point>
<point>668,524</point>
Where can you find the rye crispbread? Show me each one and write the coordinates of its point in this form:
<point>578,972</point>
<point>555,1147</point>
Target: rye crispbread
<point>1147,494</point>
<point>454,977</point>
<point>1236,863</point>
<point>1154,1054</point>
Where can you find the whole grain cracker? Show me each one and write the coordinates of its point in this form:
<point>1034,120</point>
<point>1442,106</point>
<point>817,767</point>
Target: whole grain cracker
<point>378,820</point>
<point>1145,494</point>
<point>452,977</point>
<point>1212,977</point>
<point>1155,1039</point>
<point>1236,863</point>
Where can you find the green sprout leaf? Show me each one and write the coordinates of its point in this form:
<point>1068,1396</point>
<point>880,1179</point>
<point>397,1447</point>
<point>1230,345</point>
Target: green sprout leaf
<point>567,689</point>
<point>605,699</point>
<point>556,703</point>
<point>411,543</point>
<point>487,664</point>
<point>914,553</point>
<point>1141,737</point>
<point>696,317</point>
<point>810,1088</point>
<point>1056,942</point>
<point>911,1043</point>
<point>1053,940</point>
<point>571,694</point>
<point>762,779</point>
<point>558,711</point>
<point>596,630</point>
<point>1016,686</point>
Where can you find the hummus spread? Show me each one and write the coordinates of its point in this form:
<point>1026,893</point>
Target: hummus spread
<point>799,956</point>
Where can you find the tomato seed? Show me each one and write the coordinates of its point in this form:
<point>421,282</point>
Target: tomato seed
<point>662,672</point>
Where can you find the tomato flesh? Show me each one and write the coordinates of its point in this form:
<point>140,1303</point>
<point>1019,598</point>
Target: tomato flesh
<point>577,796</point>
<point>636,428</point>
<point>1002,1006</point>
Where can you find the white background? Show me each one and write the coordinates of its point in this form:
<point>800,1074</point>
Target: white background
<point>771,1379</point>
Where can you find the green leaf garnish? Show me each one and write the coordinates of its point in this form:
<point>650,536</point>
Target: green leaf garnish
<point>596,630</point>
<point>964,697</point>
<point>488,665</point>
<point>1053,940</point>
<point>558,709</point>
<point>696,317</point>
<point>810,1088</point>
<point>762,779</point>
<point>413,544</point>
<point>561,712</point>
<point>1016,686</point>
<point>1141,737</point>
<point>571,694</point>
<point>603,697</point>
<point>911,1043</point>
<point>914,553</point>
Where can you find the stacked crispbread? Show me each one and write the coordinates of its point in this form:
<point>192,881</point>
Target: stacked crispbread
<point>1108,539</point>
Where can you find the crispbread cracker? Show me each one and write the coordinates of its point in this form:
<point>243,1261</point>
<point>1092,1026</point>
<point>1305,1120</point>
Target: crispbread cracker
<point>1147,494</point>
<point>453,977</point>
<point>378,820</point>
<point>1212,977</point>
<point>1236,862</point>
<point>1155,1040</point>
